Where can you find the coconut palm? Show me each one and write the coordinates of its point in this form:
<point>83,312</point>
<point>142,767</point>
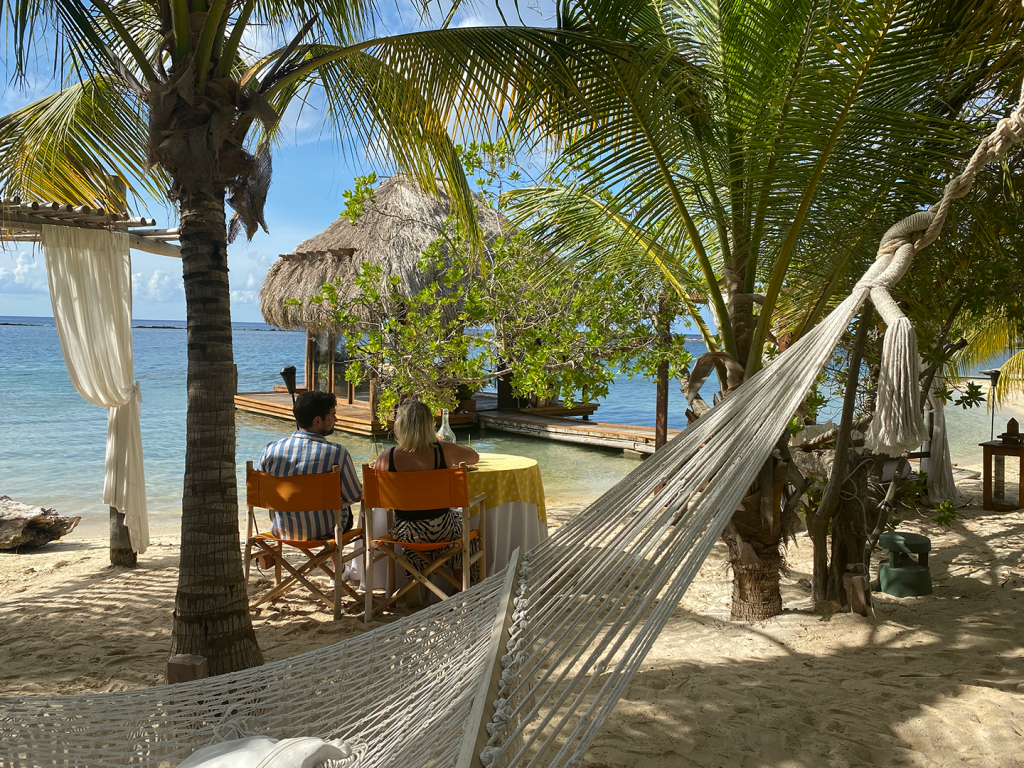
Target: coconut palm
<point>162,95</point>
<point>995,337</point>
<point>969,301</point>
<point>815,125</point>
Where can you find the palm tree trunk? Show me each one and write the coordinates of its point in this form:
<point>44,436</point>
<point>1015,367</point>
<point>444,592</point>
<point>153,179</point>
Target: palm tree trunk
<point>755,587</point>
<point>211,612</point>
<point>755,535</point>
<point>754,538</point>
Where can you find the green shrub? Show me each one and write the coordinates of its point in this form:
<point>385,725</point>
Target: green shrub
<point>945,513</point>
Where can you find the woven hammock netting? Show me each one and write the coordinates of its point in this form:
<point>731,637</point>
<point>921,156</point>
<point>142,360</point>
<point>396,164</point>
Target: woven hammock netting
<point>589,602</point>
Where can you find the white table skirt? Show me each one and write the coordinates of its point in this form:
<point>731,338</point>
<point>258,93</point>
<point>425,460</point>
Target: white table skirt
<point>510,525</point>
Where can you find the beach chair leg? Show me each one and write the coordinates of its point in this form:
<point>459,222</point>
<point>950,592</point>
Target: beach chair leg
<point>392,585</point>
<point>367,520</point>
<point>337,571</point>
<point>248,546</point>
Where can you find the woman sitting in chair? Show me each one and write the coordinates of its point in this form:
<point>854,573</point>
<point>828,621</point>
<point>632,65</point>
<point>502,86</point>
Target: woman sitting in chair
<point>418,450</point>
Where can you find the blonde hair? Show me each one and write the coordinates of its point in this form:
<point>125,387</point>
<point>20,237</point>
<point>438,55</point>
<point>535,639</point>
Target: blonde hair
<point>414,427</point>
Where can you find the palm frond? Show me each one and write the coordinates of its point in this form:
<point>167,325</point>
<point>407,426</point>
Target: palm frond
<point>596,236</point>
<point>1010,385</point>
<point>68,145</point>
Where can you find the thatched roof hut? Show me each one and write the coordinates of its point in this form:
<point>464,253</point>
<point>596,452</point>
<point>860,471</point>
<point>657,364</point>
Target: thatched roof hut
<point>397,224</point>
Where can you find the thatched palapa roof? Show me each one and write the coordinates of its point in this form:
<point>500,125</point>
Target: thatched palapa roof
<point>397,224</point>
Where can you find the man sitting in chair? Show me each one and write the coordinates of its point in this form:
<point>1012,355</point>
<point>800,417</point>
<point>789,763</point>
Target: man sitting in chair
<point>306,452</point>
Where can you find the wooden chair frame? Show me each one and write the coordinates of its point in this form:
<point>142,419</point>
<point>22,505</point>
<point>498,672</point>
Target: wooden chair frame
<point>296,494</point>
<point>449,490</point>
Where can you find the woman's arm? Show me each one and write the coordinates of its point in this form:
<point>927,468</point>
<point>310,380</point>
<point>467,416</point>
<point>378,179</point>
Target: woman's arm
<point>456,454</point>
<point>382,460</point>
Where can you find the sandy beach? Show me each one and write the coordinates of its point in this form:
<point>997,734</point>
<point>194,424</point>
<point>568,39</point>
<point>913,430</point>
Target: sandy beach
<point>930,681</point>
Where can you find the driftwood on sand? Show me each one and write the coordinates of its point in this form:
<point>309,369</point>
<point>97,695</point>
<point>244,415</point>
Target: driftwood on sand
<point>26,527</point>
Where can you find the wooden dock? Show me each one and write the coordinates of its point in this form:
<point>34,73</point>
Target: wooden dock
<point>355,417</point>
<point>572,430</point>
<point>569,425</point>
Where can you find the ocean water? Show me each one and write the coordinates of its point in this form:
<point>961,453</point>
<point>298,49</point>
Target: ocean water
<point>52,441</point>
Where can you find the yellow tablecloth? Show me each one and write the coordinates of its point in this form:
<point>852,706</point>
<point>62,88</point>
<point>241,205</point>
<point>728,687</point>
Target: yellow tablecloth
<point>505,478</point>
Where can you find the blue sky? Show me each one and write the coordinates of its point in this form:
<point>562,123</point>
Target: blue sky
<point>311,171</point>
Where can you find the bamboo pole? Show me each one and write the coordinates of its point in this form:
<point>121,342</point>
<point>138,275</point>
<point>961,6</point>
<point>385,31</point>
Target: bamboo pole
<point>475,737</point>
<point>158,247</point>
<point>135,241</point>
<point>169,233</point>
<point>90,221</point>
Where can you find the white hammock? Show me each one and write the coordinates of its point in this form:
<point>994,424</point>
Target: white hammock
<point>590,601</point>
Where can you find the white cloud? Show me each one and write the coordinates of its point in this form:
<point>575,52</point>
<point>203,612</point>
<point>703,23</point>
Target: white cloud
<point>258,41</point>
<point>303,121</point>
<point>472,20</point>
<point>246,289</point>
<point>23,273</point>
<point>159,286</point>
<point>247,271</point>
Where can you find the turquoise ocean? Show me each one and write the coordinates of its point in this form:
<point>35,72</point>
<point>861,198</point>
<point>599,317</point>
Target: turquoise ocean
<point>52,441</point>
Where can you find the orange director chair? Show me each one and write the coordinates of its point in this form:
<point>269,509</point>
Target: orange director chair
<point>296,494</point>
<point>429,489</point>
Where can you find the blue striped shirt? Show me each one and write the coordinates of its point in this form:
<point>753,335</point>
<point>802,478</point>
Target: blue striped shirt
<point>307,453</point>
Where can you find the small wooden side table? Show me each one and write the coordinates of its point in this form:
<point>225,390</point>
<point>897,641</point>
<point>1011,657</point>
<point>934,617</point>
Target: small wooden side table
<point>999,448</point>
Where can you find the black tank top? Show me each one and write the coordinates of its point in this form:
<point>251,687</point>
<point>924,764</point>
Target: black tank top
<point>420,514</point>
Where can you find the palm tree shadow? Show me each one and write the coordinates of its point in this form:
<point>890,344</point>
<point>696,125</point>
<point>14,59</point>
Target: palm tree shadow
<point>928,679</point>
<point>934,680</point>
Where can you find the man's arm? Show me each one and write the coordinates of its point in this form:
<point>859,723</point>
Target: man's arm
<point>263,463</point>
<point>351,488</point>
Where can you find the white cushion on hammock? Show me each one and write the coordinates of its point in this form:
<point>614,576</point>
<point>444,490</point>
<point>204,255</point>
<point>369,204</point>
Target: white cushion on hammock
<point>265,752</point>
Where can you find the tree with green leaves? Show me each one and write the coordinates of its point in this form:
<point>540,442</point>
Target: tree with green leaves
<point>979,273</point>
<point>959,297</point>
<point>766,151</point>
<point>163,96</point>
<point>497,316</point>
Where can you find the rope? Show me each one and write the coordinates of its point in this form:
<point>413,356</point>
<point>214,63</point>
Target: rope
<point>898,424</point>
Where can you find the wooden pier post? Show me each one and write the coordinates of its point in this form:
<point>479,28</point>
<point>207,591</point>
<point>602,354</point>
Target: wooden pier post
<point>121,552</point>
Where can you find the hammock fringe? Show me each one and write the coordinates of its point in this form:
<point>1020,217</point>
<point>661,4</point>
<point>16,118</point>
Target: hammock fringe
<point>898,425</point>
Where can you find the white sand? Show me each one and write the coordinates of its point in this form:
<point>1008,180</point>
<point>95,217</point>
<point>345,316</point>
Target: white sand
<point>931,681</point>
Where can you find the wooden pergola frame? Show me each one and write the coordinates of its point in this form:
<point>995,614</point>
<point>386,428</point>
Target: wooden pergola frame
<point>22,222</point>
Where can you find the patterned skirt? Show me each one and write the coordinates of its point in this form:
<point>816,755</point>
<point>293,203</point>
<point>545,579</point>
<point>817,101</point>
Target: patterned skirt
<point>444,527</point>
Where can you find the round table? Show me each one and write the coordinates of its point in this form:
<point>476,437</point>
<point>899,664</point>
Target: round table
<point>516,515</point>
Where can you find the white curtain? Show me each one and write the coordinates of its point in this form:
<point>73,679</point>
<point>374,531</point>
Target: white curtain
<point>89,272</point>
<point>941,486</point>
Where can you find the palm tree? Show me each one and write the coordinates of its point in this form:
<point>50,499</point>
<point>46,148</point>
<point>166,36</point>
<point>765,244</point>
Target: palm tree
<point>978,275</point>
<point>167,85</point>
<point>603,238</point>
<point>766,150</point>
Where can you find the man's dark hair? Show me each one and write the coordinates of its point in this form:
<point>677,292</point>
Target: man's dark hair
<point>309,405</point>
